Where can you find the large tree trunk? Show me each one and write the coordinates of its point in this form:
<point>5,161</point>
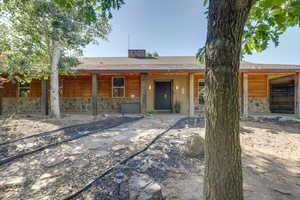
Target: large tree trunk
<point>223,170</point>
<point>54,91</point>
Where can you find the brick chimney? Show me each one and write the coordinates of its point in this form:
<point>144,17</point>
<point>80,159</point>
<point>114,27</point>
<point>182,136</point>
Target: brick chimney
<point>136,53</point>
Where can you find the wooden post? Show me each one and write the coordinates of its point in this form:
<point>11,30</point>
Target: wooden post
<point>94,94</point>
<point>191,97</point>
<point>44,97</point>
<point>245,95</point>
<point>298,94</point>
<point>144,89</point>
<point>1,96</point>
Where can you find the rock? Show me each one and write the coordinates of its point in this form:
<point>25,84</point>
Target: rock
<point>12,180</point>
<point>80,163</point>
<point>53,161</point>
<point>101,153</point>
<point>142,187</point>
<point>52,174</point>
<point>118,147</point>
<point>194,146</point>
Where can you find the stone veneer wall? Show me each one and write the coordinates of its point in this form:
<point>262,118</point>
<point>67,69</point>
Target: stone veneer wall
<point>113,105</point>
<point>255,105</point>
<point>21,105</point>
<point>258,105</point>
<point>199,108</point>
<point>76,105</point>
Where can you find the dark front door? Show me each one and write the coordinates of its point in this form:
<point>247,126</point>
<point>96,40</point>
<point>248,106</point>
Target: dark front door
<point>162,96</point>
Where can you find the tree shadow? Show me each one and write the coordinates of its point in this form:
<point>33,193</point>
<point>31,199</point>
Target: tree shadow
<point>270,177</point>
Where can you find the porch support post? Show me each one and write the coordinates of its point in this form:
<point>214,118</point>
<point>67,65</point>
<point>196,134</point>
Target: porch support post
<point>144,88</point>
<point>298,94</point>
<point>1,96</point>
<point>94,94</point>
<point>245,95</point>
<point>44,97</point>
<point>191,97</point>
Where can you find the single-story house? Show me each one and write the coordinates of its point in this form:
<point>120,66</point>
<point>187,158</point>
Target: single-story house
<point>164,84</point>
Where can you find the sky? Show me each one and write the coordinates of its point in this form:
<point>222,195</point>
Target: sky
<point>176,28</point>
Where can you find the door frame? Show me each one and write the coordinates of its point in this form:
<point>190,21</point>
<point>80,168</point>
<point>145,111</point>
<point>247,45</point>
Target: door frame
<point>171,98</point>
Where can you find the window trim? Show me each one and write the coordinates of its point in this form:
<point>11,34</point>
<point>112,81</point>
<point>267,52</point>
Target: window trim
<point>112,87</point>
<point>23,87</point>
<point>200,80</point>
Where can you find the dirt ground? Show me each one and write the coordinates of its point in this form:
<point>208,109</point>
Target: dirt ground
<point>271,159</point>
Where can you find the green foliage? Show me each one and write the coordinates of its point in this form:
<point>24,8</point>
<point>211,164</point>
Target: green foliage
<point>29,182</point>
<point>200,55</point>
<point>30,27</point>
<point>267,21</point>
<point>148,54</point>
<point>153,55</point>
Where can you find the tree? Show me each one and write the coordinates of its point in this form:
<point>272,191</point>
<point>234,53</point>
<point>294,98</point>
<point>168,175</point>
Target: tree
<point>47,36</point>
<point>233,24</point>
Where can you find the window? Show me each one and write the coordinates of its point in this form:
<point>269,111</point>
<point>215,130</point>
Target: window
<point>201,92</point>
<point>118,89</point>
<point>24,90</point>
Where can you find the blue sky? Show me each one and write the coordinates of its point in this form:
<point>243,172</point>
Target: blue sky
<point>176,28</point>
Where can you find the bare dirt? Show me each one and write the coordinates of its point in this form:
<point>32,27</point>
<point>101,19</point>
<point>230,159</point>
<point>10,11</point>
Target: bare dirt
<point>271,160</point>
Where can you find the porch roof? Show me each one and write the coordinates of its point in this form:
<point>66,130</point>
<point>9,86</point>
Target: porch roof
<point>167,64</point>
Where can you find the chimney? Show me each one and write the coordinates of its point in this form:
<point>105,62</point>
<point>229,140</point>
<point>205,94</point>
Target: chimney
<point>136,53</point>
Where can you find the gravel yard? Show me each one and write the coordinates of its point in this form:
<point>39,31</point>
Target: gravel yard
<point>271,159</point>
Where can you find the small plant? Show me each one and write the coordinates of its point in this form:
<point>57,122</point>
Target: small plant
<point>150,112</point>
<point>177,107</point>
<point>29,182</point>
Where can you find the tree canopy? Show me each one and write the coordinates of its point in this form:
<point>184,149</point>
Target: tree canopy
<point>30,26</point>
<point>267,21</point>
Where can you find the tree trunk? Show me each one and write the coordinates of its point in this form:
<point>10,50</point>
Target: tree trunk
<point>54,91</point>
<point>223,171</point>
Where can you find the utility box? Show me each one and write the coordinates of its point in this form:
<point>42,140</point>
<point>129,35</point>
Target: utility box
<point>130,108</point>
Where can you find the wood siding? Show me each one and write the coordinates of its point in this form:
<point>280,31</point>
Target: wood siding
<point>258,86</point>
<point>11,89</point>
<point>76,86</point>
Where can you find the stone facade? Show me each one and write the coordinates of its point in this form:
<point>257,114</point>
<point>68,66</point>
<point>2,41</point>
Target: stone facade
<point>199,108</point>
<point>113,105</point>
<point>21,105</point>
<point>255,105</point>
<point>76,105</point>
<point>258,105</point>
<point>105,105</point>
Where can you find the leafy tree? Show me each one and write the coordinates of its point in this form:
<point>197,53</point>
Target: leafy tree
<point>155,54</point>
<point>235,28</point>
<point>47,36</point>
<point>148,54</point>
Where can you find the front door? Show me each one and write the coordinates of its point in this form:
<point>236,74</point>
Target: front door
<point>163,99</point>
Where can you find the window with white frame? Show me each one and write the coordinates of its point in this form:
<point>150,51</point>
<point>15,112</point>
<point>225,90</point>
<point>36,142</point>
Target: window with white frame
<point>24,90</point>
<point>201,92</point>
<point>118,89</point>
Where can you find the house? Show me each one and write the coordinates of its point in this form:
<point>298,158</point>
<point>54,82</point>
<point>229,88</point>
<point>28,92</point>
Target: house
<point>164,84</point>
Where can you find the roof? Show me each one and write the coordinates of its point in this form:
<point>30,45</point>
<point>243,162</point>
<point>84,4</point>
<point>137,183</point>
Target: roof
<point>167,64</point>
